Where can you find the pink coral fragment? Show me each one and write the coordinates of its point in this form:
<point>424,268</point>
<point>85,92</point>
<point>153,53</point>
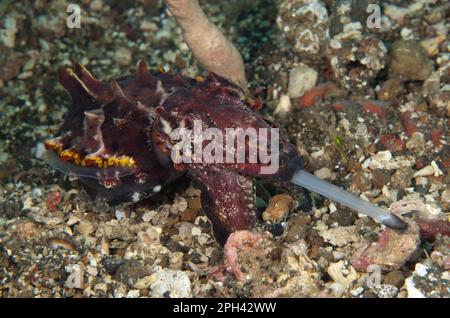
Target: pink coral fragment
<point>430,228</point>
<point>236,241</point>
<point>53,200</point>
<point>392,250</point>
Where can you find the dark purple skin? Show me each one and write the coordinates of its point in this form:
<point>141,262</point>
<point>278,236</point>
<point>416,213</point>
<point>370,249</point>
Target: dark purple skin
<point>124,118</point>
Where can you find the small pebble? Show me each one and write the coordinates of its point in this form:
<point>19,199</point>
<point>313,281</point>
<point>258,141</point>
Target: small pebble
<point>123,56</point>
<point>424,172</point>
<point>360,182</point>
<point>85,227</point>
<point>394,278</point>
<point>416,141</point>
<point>96,5</point>
<point>409,61</point>
<point>284,106</point>
<point>402,178</point>
<point>386,291</point>
<point>301,79</point>
<point>278,208</point>
<point>323,173</point>
<point>60,243</point>
<point>174,283</point>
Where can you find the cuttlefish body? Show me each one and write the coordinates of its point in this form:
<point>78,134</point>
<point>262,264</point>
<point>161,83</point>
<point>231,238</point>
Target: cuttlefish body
<point>119,140</point>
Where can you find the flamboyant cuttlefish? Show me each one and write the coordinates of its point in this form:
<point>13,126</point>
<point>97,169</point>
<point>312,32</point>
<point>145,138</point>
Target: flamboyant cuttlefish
<point>118,140</point>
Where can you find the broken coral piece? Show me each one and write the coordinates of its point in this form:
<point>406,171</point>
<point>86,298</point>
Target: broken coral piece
<point>236,241</point>
<point>392,250</point>
<point>431,228</point>
<point>208,44</point>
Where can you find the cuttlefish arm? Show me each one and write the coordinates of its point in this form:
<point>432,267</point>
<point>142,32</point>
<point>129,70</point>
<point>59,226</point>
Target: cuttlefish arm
<point>227,199</point>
